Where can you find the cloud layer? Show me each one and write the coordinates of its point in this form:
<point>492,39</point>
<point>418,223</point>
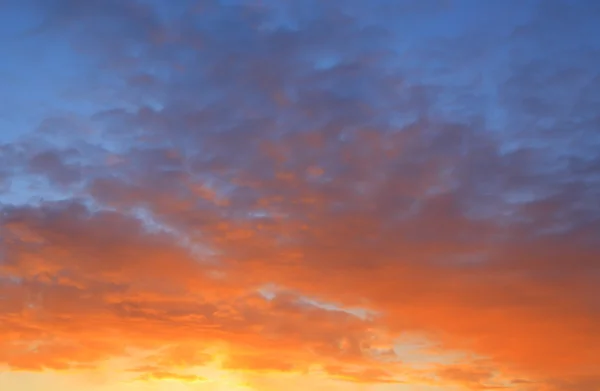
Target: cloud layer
<point>386,193</point>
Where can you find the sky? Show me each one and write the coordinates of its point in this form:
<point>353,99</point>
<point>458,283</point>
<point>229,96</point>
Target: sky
<point>257,195</point>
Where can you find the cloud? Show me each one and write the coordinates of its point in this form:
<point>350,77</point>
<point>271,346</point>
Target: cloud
<point>153,374</point>
<point>444,184</point>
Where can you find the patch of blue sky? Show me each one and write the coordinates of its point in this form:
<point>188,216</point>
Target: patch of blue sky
<point>36,74</point>
<point>361,313</point>
<point>270,292</point>
<point>201,251</point>
<point>325,62</point>
<point>32,190</point>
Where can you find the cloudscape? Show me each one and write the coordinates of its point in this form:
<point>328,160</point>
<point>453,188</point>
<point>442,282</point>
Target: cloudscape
<point>266,195</point>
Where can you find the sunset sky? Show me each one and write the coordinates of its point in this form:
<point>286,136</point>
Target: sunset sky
<point>299,195</point>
